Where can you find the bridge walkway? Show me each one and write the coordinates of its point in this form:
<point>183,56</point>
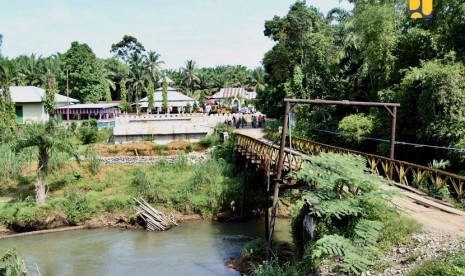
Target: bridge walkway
<point>432,213</point>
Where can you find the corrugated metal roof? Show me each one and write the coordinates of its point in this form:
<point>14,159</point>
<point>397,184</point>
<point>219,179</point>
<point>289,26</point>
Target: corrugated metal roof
<point>63,99</point>
<point>229,92</point>
<point>33,94</point>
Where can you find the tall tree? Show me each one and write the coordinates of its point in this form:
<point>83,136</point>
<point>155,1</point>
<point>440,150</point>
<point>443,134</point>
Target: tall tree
<point>116,71</point>
<point>256,79</point>
<point>138,77</point>
<point>86,82</point>
<point>165,94</point>
<point>153,63</point>
<point>150,100</point>
<point>127,47</point>
<point>31,70</point>
<point>50,91</point>
<point>190,75</point>
<point>8,77</point>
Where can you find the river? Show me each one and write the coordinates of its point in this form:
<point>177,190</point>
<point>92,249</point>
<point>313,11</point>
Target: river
<point>193,248</point>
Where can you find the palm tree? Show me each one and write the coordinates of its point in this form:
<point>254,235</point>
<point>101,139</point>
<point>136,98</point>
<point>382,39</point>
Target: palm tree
<point>153,63</point>
<point>111,85</point>
<point>31,70</point>
<point>257,79</point>
<point>138,77</point>
<point>190,75</point>
<point>48,139</point>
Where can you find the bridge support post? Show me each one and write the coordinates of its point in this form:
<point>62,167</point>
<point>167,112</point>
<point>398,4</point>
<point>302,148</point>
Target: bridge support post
<point>279,171</point>
<point>266,182</point>
<point>246,180</point>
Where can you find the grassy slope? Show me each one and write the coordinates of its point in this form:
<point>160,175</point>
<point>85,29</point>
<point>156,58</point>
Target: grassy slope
<point>76,195</point>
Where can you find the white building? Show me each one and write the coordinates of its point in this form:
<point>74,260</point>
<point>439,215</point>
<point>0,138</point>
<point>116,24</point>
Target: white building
<point>176,101</point>
<point>29,103</point>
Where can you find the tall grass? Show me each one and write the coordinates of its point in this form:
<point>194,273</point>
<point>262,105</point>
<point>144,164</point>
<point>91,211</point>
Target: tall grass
<point>12,265</point>
<point>12,163</point>
<point>94,161</point>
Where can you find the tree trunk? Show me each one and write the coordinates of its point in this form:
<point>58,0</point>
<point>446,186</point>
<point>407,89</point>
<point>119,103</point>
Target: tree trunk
<point>41,192</point>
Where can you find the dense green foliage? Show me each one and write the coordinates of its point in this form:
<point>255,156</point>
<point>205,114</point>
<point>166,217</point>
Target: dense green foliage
<point>353,220</point>
<point>373,52</point>
<point>86,81</point>
<point>354,127</point>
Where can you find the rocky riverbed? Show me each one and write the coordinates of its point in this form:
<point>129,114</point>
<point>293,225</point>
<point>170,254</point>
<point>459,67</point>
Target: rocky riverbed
<point>192,158</point>
<point>400,260</point>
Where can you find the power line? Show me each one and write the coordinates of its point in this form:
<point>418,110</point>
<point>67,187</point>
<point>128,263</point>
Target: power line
<point>399,142</point>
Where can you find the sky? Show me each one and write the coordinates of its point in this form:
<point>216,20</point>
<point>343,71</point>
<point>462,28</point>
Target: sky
<point>210,32</point>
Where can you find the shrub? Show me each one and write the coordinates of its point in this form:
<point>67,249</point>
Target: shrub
<point>437,267</point>
<point>275,269</point>
<point>116,203</point>
<point>12,265</point>
<point>12,163</point>
<point>104,134</point>
<point>114,150</point>
<point>140,181</point>
<point>88,135</point>
<point>73,126</point>
<point>354,127</point>
<point>94,161</point>
<point>160,148</point>
<point>254,250</point>
<point>75,206</point>
<point>396,230</point>
<point>209,141</point>
<point>90,123</point>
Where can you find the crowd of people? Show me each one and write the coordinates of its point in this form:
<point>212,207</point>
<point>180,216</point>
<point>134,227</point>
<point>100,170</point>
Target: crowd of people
<point>241,121</point>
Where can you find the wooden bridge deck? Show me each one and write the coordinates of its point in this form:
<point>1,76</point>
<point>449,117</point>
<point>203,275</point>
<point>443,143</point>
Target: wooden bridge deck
<point>405,176</point>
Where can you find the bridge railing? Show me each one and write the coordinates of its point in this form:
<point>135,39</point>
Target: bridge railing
<point>402,172</point>
<point>292,159</point>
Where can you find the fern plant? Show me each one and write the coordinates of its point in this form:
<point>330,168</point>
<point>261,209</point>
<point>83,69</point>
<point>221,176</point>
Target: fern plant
<point>345,194</point>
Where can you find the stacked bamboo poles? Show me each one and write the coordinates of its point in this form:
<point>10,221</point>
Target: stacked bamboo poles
<point>154,220</point>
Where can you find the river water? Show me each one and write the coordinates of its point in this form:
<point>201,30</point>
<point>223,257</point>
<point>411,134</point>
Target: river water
<point>193,248</point>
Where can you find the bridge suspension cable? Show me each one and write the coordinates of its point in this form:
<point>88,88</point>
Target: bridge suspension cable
<point>399,142</point>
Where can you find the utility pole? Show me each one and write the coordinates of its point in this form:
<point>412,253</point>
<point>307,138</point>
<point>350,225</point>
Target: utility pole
<point>67,94</point>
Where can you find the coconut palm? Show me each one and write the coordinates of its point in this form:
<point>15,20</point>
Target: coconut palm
<point>190,75</point>
<point>153,63</point>
<point>48,139</point>
<point>138,77</point>
<point>31,70</point>
<point>257,79</point>
<point>110,84</point>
